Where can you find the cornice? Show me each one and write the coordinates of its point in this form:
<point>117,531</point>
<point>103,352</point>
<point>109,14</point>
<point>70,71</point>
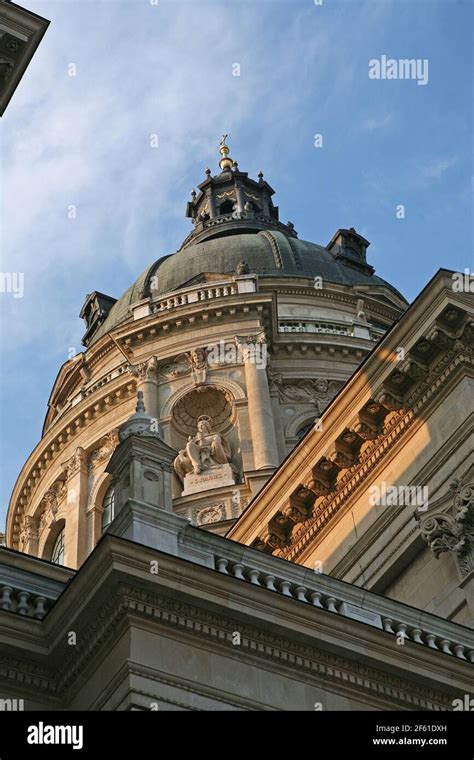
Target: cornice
<point>401,390</point>
<point>184,317</point>
<point>86,362</point>
<point>114,590</point>
<point>349,297</point>
<point>343,567</point>
<point>216,629</point>
<point>377,451</point>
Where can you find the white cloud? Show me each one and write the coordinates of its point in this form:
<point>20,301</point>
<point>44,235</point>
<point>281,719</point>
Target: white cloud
<point>435,168</point>
<point>371,125</point>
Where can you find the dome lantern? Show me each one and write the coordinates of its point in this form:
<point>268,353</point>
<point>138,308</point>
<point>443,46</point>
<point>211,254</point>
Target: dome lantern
<point>231,202</point>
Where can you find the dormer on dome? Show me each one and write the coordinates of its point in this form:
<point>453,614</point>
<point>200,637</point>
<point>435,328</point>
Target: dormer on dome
<point>230,203</point>
<point>351,248</point>
<point>94,313</point>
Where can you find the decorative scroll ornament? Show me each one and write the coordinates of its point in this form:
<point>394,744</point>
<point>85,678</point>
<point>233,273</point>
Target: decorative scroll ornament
<point>145,370</point>
<point>104,450</point>
<point>453,531</point>
<point>77,462</point>
<point>30,530</point>
<point>50,502</point>
<point>275,379</point>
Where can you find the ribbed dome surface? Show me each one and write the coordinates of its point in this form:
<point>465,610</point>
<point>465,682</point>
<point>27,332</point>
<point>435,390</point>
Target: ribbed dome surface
<point>268,254</point>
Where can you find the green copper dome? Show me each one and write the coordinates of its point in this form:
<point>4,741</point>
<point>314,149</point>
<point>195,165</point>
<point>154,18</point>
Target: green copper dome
<point>267,254</point>
<point>237,229</point>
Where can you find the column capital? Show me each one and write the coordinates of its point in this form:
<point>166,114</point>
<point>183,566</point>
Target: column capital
<point>77,463</point>
<point>146,370</point>
<point>251,340</point>
<point>252,349</point>
<point>453,530</point>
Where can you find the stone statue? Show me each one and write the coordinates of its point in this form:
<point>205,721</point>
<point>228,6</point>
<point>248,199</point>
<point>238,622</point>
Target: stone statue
<point>194,363</point>
<point>203,451</point>
<point>198,361</point>
<point>242,268</point>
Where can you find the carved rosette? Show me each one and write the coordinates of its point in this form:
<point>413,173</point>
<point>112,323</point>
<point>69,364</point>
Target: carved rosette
<point>453,531</point>
<point>211,514</point>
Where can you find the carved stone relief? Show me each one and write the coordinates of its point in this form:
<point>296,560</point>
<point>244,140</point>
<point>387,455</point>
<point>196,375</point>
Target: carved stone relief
<point>453,531</point>
<point>315,391</point>
<point>104,450</point>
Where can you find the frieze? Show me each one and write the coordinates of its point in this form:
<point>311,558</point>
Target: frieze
<point>127,599</point>
<point>293,653</point>
<point>193,363</point>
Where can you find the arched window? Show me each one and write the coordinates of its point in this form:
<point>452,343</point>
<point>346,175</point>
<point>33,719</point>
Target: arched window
<point>303,430</point>
<point>57,554</point>
<point>226,207</point>
<point>108,505</point>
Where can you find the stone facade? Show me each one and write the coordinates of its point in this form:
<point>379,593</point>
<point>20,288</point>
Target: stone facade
<point>260,346</point>
<point>187,620</point>
<point>381,493</point>
<point>344,580</point>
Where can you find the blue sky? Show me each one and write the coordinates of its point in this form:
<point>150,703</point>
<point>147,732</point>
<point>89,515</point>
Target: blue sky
<point>167,69</point>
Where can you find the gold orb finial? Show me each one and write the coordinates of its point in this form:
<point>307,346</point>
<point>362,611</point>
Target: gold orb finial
<point>225,162</point>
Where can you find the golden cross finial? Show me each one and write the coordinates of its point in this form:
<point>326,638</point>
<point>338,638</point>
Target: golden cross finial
<point>225,162</point>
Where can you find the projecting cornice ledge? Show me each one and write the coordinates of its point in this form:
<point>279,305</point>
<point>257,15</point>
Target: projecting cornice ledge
<point>393,390</point>
<point>285,614</point>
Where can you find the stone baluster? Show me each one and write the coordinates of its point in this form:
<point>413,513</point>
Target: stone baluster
<point>270,582</point>
<point>285,588</point>
<point>238,571</point>
<point>315,598</point>
<point>431,640</point>
<point>331,604</point>
<point>253,575</point>
<point>40,610</point>
<point>300,592</point>
<point>416,635</point>
<point>222,566</point>
<point>402,630</point>
<point>5,600</point>
<point>22,606</point>
<point>459,651</point>
<point>445,644</point>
